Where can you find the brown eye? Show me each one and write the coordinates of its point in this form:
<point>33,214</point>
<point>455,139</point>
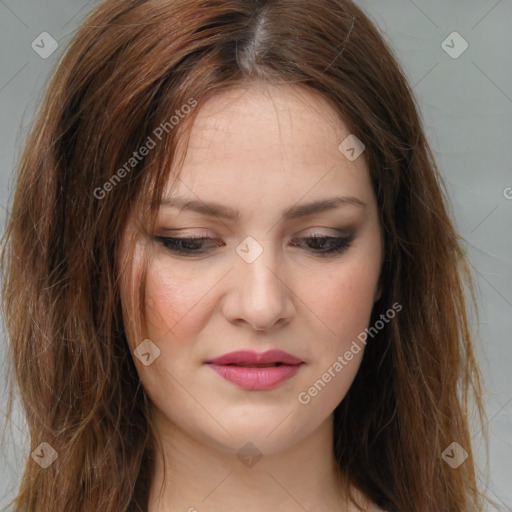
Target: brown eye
<point>327,245</point>
<point>318,244</point>
<point>184,245</point>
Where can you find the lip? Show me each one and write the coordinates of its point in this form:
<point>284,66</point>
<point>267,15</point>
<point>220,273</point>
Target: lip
<point>251,357</point>
<point>229,367</point>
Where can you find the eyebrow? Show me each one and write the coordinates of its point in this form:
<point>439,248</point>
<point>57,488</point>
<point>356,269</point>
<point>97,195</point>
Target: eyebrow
<point>294,212</point>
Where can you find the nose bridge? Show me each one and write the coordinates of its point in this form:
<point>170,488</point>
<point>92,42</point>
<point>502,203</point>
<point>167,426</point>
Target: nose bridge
<point>261,293</point>
<point>258,265</point>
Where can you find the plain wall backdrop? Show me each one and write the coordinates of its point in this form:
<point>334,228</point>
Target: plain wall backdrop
<point>457,55</point>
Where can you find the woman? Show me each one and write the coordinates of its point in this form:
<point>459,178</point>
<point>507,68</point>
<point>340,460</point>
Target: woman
<point>231,279</point>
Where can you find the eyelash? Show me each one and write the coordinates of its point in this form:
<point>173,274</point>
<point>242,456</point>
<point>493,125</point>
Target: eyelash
<point>341,244</point>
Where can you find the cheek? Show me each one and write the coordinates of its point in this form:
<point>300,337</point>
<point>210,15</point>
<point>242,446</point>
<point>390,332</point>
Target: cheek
<point>177,306</point>
<point>342,301</point>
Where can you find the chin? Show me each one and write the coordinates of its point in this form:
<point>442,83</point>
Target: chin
<point>268,434</point>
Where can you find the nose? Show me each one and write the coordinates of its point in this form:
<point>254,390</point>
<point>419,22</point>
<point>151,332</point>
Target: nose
<point>259,293</point>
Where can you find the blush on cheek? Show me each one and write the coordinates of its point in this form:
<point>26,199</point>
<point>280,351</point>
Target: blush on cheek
<point>175,309</point>
<point>165,313</point>
<point>342,304</point>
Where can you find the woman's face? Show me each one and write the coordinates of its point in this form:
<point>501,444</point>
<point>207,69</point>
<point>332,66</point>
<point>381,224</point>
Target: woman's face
<point>266,155</point>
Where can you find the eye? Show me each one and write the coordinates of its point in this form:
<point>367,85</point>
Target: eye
<point>328,245</point>
<point>184,245</point>
<point>320,245</point>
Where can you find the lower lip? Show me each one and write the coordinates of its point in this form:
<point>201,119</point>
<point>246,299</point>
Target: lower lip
<point>256,378</point>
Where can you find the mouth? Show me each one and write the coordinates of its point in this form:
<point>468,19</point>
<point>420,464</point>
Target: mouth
<point>254,371</point>
<point>263,365</point>
<point>249,357</point>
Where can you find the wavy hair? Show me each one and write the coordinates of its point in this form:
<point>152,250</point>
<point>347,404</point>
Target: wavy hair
<point>130,64</point>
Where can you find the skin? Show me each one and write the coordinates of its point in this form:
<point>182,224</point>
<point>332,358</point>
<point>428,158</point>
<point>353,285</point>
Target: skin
<point>259,149</point>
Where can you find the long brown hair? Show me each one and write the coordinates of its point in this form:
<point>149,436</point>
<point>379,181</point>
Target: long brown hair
<point>131,66</point>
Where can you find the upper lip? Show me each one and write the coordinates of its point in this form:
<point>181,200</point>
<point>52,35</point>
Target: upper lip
<point>250,357</point>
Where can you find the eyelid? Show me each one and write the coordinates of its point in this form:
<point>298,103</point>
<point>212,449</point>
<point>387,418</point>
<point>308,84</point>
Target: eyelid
<point>341,242</point>
<point>313,232</point>
<point>201,233</point>
<point>185,233</point>
<point>327,231</point>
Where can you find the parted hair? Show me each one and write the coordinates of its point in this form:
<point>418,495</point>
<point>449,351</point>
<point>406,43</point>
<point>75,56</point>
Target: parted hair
<point>130,65</point>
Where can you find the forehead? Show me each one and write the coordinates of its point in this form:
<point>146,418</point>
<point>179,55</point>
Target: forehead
<point>286,118</point>
<point>264,143</point>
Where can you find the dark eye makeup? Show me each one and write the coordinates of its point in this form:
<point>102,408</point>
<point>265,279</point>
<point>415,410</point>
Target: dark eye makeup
<point>318,244</point>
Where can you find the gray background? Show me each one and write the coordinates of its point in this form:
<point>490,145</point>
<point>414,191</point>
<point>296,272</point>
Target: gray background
<point>466,104</point>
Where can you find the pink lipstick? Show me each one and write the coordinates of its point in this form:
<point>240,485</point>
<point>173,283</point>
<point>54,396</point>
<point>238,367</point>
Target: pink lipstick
<point>254,371</point>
